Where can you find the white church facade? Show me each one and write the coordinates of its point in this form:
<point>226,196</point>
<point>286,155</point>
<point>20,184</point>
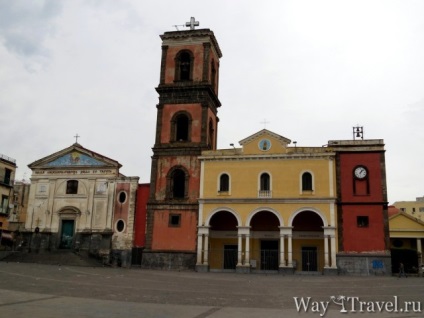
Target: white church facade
<point>79,201</point>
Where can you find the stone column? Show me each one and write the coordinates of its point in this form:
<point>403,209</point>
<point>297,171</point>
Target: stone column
<point>199,249</point>
<point>333,251</point>
<point>282,252</point>
<point>206,250</point>
<point>239,250</point>
<point>202,264</point>
<point>243,264</point>
<point>286,231</point>
<point>247,252</point>
<point>289,250</point>
<point>330,265</point>
<point>326,251</point>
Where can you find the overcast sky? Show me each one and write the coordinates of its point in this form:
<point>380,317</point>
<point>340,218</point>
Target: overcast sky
<point>312,69</point>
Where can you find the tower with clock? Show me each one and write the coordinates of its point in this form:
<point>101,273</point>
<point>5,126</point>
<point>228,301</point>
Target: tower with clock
<point>362,211</point>
<point>186,125</point>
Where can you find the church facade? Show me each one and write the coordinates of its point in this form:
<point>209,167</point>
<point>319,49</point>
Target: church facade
<point>79,201</point>
<point>266,206</point>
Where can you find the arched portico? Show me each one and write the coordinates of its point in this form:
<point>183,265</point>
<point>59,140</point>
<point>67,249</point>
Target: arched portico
<point>311,241</point>
<point>264,239</point>
<point>218,247</point>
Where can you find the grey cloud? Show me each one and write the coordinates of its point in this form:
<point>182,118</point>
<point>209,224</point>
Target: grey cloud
<point>25,24</point>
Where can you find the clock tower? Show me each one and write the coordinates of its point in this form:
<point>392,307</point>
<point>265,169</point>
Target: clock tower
<point>363,228</point>
<point>187,124</point>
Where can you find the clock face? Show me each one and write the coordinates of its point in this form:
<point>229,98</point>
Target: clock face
<point>360,172</point>
<point>264,144</point>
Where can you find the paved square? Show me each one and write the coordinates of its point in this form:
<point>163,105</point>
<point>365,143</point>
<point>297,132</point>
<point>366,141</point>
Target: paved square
<point>34,290</point>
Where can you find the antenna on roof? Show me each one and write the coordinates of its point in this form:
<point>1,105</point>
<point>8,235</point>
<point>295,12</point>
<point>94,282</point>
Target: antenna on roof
<point>178,25</point>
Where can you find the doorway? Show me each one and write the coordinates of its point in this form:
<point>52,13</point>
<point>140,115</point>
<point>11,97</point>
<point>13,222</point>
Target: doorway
<point>309,259</point>
<point>67,235</point>
<point>269,255</point>
<point>230,256</point>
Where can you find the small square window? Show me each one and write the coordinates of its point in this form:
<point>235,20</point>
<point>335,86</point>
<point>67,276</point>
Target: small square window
<point>174,220</point>
<point>362,221</point>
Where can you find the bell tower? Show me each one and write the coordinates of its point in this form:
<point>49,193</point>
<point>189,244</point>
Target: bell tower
<point>187,124</point>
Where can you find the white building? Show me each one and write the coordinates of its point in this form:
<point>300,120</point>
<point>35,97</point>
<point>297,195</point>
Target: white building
<point>79,201</point>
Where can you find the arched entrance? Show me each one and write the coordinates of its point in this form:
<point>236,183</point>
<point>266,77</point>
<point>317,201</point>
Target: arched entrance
<point>218,241</point>
<point>308,242</point>
<point>265,236</point>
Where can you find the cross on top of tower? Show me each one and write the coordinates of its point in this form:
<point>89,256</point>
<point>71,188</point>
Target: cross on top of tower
<point>76,138</point>
<point>192,23</point>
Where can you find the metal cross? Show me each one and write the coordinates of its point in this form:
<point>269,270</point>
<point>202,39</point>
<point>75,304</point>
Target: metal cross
<point>264,122</point>
<point>192,23</point>
<point>76,138</point>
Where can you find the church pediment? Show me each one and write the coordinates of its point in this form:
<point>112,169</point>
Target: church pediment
<point>75,157</point>
<point>265,142</point>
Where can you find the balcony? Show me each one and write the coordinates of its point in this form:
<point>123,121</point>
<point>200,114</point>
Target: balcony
<point>264,194</point>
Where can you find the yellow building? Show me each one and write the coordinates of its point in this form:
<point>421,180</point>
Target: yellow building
<point>267,206</point>
<point>413,208</point>
<point>406,235</point>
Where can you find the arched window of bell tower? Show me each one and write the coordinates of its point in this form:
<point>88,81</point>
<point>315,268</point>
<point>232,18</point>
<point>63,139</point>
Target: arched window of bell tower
<point>181,127</point>
<point>184,66</point>
<point>177,183</point>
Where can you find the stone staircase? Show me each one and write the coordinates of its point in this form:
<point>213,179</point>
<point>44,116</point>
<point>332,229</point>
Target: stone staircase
<point>58,257</point>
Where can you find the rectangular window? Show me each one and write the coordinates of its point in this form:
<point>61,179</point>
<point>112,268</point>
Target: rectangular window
<point>7,176</point>
<point>174,220</point>
<point>4,204</point>
<point>422,209</point>
<point>42,188</point>
<point>402,209</point>
<point>362,221</point>
<point>72,187</point>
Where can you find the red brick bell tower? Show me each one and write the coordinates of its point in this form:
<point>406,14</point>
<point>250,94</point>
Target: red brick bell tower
<point>187,124</point>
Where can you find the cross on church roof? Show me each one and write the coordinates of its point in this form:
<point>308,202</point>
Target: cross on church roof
<point>265,122</point>
<point>76,138</point>
<point>192,23</point>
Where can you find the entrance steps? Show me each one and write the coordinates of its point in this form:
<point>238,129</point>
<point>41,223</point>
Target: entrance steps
<point>58,257</point>
<point>311,273</point>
